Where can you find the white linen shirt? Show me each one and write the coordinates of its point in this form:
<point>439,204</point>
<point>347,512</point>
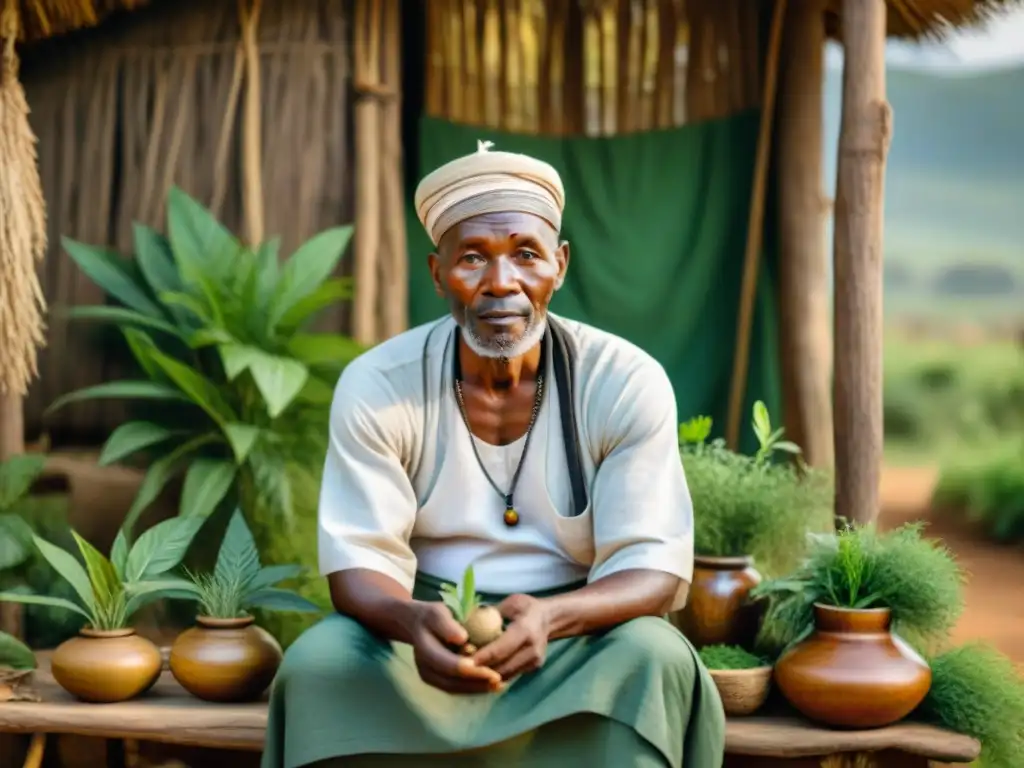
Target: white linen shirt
<point>402,490</point>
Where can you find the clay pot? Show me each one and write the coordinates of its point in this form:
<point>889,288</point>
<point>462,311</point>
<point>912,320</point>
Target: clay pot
<point>852,671</point>
<point>717,610</point>
<point>227,660</point>
<point>106,666</point>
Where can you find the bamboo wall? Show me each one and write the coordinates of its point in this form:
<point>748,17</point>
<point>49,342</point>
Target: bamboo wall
<point>593,67</point>
<point>158,98</point>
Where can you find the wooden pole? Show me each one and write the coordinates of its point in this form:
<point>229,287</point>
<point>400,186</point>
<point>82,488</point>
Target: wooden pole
<point>864,137</point>
<point>755,232</point>
<point>804,328</point>
<point>252,141</point>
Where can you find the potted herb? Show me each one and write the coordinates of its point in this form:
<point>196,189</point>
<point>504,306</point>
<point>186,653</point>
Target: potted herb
<point>748,510</point>
<point>977,691</point>
<point>108,661</point>
<point>849,608</point>
<point>226,657</point>
<point>743,679</point>
<point>17,663</point>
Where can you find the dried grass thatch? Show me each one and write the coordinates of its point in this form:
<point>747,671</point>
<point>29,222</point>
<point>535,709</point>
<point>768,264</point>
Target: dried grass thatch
<point>928,18</point>
<point>45,18</point>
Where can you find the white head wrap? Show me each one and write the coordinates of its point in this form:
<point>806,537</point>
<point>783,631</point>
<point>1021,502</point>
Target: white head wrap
<point>488,182</point>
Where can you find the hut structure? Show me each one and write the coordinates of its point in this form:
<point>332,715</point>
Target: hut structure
<point>689,133</point>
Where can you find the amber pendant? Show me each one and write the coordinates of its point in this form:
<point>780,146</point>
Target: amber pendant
<point>511,517</point>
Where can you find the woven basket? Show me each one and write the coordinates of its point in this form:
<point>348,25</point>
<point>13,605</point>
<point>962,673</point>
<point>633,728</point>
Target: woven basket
<point>743,691</point>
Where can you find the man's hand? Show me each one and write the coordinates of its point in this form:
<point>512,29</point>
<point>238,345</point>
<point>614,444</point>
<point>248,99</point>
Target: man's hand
<point>433,633</point>
<point>524,644</point>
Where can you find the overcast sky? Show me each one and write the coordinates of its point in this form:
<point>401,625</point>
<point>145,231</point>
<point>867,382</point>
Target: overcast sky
<point>1000,43</point>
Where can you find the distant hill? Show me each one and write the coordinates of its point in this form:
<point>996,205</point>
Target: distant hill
<point>955,175</point>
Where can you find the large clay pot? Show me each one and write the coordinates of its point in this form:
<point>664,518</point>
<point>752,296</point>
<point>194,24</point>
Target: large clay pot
<point>227,660</point>
<point>717,609</point>
<point>852,671</point>
<point>106,666</point>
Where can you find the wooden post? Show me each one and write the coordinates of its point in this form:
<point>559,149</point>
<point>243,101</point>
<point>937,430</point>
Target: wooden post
<point>806,342</point>
<point>864,137</point>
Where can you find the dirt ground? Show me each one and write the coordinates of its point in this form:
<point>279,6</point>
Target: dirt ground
<point>994,611</point>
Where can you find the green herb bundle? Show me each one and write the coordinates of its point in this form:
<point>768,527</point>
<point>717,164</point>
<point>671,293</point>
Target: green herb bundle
<point>730,657</point>
<point>916,578</point>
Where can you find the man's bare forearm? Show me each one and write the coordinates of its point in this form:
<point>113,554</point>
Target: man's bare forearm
<point>378,602</point>
<point>610,601</point>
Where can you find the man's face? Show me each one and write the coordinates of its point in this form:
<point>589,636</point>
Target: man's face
<point>498,272</point>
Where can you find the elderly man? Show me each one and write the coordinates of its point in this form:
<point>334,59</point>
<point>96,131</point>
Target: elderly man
<point>544,453</point>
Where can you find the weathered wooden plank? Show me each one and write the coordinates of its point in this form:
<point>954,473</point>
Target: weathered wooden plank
<point>168,714</point>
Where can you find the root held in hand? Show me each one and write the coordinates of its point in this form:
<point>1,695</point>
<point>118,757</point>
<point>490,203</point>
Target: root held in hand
<point>484,625</point>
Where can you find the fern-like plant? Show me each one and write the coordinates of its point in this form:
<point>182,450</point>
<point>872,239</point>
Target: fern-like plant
<point>239,583</point>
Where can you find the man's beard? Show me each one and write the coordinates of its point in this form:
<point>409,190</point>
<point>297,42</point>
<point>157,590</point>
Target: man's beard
<point>501,344</point>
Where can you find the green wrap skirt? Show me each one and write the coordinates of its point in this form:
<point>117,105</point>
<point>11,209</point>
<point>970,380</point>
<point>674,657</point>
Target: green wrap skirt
<point>634,696</point>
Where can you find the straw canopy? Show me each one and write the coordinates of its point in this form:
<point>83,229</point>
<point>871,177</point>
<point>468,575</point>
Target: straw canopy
<point>927,18</point>
<point>45,18</point>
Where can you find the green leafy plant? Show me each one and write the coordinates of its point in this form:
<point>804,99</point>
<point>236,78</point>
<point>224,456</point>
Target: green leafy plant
<point>769,440</point>
<point>986,487</point>
<point>237,384</point>
<point>730,657</point>
<point>977,691</point>
<point>749,506</point>
<point>483,623</point>
<point>219,331</point>
<point>14,654</point>
<point>110,591</point>
<point>916,578</point>
<point>239,583</point>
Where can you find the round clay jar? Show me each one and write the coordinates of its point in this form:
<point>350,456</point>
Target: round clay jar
<point>717,609</point>
<point>852,672</point>
<point>225,660</point>
<point>106,666</point>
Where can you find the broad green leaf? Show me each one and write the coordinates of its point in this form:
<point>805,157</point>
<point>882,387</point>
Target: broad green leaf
<point>329,293</point>
<point>279,380</point>
<point>316,392</point>
<point>69,569</point>
<point>275,574</point>
<point>181,300</point>
<point>107,269</point>
<point>203,248</point>
<point>15,541</point>
<point>454,605</point>
<point>787,447</point>
<point>141,390</point>
<point>241,437</point>
<point>207,482</point>
<point>17,474</point>
<point>119,553</point>
<point>325,349</point>
<point>261,282</point>
<point>280,600</point>
<point>308,268</point>
<point>104,579</point>
<point>762,423</point>
<point>53,602</point>
<point>237,358</point>
<point>238,558</point>
<point>121,316</point>
<point>130,438</point>
<point>155,260</point>
<point>200,389</point>
<point>468,591</point>
<point>158,475</point>
<point>143,348</point>
<point>161,548</point>
<point>208,337</point>
<point>14,654</point>
<point>142,593</point>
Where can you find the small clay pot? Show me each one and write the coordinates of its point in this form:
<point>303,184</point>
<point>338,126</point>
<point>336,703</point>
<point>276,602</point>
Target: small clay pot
<point>226,660</point>
<point>852,672</point>
<point>106,666</point>
<point>717,610</point>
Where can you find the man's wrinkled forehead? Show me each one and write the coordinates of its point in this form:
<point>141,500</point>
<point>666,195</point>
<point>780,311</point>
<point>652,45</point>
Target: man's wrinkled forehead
<point>501,227</point>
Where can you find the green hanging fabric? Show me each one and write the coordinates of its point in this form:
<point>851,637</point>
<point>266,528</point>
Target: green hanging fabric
<point>656,223</point>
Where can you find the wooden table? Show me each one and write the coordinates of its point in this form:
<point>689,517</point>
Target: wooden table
<point>169,715</point>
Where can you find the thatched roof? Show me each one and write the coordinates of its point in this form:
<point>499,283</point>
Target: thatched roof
<point>45,18</point>
<point>928,18</point>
